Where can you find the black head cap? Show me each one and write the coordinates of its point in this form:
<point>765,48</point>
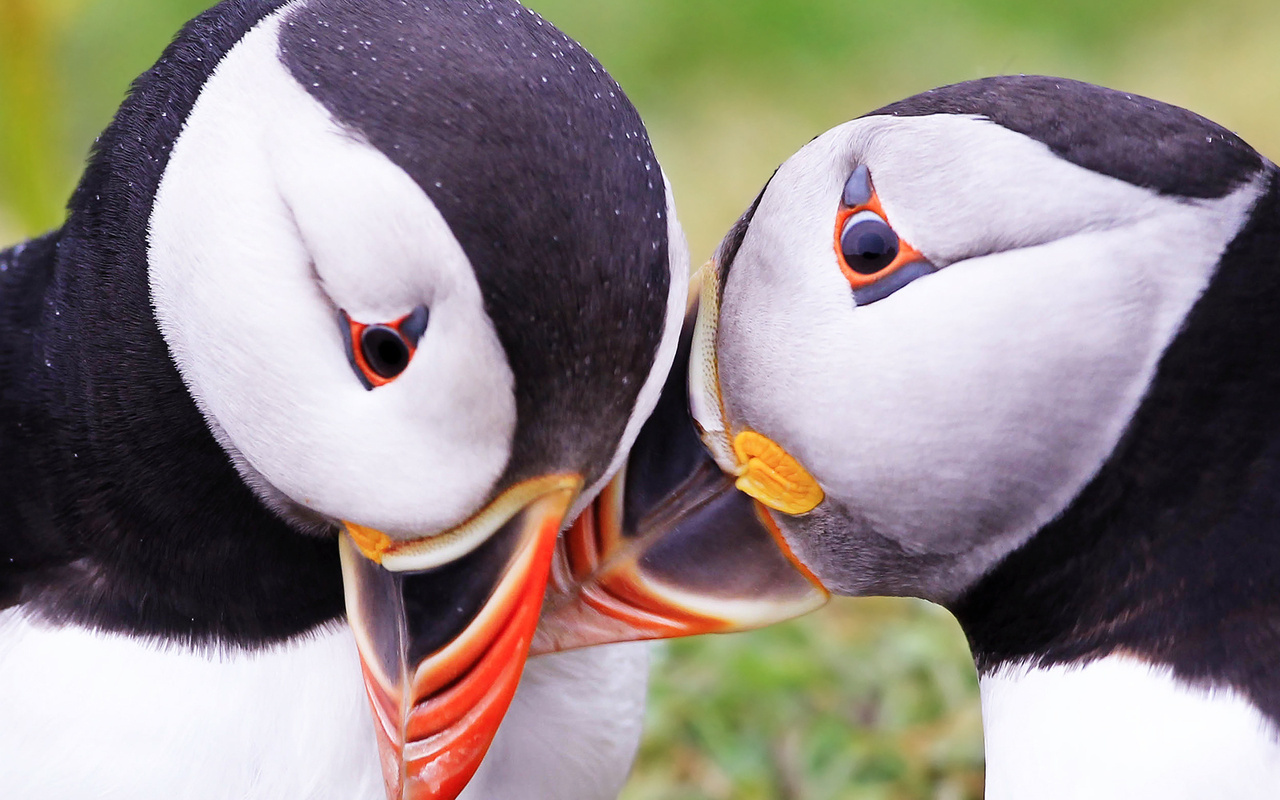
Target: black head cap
<point>1138,140</point>
<point>543,171</point>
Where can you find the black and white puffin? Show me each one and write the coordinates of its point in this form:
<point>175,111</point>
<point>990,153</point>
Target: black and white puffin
<point>408,270</point>
<point>1013,346</point>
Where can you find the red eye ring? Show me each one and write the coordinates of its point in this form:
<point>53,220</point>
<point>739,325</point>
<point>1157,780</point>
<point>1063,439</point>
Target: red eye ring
<point>379,352</point>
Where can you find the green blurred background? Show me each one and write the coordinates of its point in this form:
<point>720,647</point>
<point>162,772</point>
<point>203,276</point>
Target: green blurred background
<point>868,698</point>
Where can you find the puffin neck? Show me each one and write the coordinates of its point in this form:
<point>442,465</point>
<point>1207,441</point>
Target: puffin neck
<point>24,505</point>
<point>1169,554</point>
<point>143,524</point>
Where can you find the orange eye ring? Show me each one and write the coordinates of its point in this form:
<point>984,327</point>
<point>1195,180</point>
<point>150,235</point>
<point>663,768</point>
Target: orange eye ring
<point>906,253</point>
<point>379,353</point>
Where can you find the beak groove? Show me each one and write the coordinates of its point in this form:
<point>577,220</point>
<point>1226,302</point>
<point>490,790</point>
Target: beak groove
<point>671,547</point>
<point>440,674</point>
<point>620,589</point>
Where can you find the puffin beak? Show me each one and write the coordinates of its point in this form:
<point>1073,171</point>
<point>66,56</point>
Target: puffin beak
<point>706,559</point>
<point>443,626</point>
<point>685,539</point>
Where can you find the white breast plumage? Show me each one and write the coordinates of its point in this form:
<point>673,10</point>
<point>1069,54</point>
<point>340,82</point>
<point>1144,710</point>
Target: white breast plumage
<point>111,716</point>
<point>1140,732</point>
<point>167,721</point>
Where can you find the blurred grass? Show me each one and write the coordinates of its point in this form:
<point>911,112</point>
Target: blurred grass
<point>868,699</point>
<point>730,89</point>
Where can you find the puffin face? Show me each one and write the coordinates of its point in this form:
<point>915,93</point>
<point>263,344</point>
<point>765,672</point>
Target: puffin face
<point>295,345</point>
<point>422,275</point>
<point>933,326</point>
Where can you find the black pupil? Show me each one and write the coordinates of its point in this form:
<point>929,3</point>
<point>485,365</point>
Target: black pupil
<point>869,245</point>
<point>384,350</point>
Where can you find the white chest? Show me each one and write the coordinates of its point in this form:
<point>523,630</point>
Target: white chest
<point>90,715</point>
<point>572,730</point>
<point>1119,728</point>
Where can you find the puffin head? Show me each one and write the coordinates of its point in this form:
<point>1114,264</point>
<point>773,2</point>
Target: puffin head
<point>945,314</point>
<point>420,272</point>
<point>937,322</point>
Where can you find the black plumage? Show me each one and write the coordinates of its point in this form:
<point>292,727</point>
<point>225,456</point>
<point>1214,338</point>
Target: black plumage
<point>1171,552</point>
<point>1126,136</point>
<point>579,220</point>
<point>121,509</point>
<point>118,507</point>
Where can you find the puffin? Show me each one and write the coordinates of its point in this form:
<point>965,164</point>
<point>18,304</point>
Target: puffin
<point>355,307</point>
<point>1013,346</point>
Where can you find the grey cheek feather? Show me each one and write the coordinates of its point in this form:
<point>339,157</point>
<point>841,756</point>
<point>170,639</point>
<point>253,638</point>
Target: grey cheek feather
<point>852,558</point>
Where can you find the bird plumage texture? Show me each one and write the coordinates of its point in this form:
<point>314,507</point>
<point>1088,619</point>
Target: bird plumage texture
<point>170,584</point>
<point>1063,430</point>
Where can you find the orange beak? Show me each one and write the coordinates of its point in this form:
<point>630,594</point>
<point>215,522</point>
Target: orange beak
<point>719,564</point>
<point>442,647</point>
<point>675,546</point>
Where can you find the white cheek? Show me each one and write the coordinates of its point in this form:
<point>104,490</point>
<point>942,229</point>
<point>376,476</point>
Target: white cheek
<point>959,187</point>
<point>965,411</point>
<point>1004,382</point>
<point>269,218</point>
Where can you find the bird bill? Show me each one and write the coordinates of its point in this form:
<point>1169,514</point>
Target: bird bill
<point>442,648</point>
<point>679,544</point>
<point>443,638</point>
<point>710,559</point>
<point>674,546</point>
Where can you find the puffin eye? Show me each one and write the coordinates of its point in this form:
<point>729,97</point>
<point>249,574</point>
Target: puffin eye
<point>380,352</point>
<point>875,262</point>
<point>385,350</point>
<point>867,243</point>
